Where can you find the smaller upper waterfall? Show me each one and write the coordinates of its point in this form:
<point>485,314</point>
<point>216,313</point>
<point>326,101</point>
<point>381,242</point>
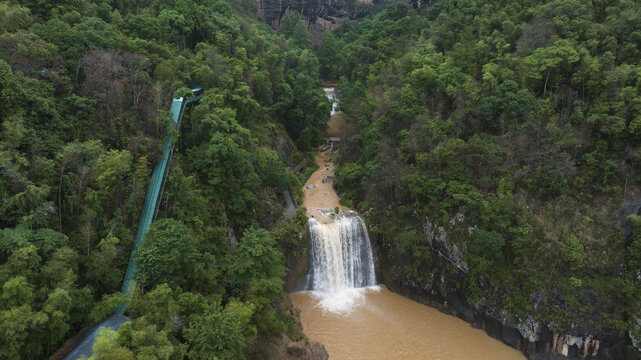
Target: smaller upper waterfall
<point>342,260</point>
<point>331,95</point>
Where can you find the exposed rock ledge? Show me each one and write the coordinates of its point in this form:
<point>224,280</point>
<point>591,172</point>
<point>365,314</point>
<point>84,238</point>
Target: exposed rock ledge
<point>319,17</point>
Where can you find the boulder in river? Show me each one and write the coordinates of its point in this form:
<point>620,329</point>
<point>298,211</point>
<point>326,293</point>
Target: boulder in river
<point>296,348</point>
<point>318,351</point>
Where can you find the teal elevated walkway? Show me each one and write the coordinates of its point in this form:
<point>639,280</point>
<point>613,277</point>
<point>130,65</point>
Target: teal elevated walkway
<point>154,193</point>
<point>149,212</point>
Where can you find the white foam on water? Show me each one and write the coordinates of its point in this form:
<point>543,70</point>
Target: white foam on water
<point>344,301</point>
<point>342,270</point>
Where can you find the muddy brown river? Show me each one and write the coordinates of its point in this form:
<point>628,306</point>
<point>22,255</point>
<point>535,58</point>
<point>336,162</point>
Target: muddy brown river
<point>384,325</point>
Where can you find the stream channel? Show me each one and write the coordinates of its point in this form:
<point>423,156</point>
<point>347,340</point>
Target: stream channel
<point>348,311</point>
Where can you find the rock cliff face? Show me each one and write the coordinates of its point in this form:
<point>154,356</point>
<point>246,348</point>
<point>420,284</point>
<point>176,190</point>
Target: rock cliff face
<point>319,16</point>
<point>441,290</point>
<point>297,260</point>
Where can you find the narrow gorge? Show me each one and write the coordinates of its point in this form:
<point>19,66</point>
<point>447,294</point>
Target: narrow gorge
<point>352,179</point>
<point>348,311</point>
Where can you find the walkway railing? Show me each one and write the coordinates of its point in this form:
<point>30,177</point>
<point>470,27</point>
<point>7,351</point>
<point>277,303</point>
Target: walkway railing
<point>149,212</point>
<point>154,194</point>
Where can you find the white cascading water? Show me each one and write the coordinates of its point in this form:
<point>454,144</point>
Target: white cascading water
<point>342,263</point>
<point>331,95</point>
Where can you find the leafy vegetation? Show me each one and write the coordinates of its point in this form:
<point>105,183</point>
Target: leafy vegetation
<point>513,126</point>
<point>84,91</point>
<point>503,132</point>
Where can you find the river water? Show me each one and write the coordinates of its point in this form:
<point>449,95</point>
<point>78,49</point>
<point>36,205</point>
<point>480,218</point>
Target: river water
<point>385,325</point>
<point>353,317</point>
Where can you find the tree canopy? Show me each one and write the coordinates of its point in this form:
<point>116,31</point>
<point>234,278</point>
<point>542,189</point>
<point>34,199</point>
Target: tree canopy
<point>84,91</point>
<point>513,127</point>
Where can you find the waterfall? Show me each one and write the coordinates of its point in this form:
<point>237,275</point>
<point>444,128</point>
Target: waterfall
<point>331,95</point>
<point>342,262</point>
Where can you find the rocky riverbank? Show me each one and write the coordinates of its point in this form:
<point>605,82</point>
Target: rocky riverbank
<point>284,348</point>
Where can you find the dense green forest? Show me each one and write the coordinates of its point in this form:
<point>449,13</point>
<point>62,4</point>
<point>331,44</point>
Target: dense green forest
<point>508,132</point>
<point>85,89</point>
<point>495,142</point>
